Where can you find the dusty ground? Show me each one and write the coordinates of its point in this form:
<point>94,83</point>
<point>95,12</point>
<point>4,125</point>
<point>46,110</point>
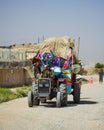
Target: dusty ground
<point>88,115</point>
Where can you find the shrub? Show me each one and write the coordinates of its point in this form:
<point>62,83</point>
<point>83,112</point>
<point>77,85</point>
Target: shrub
<point>23,91</point>
<point>99,65</point>
<point>6,95</point>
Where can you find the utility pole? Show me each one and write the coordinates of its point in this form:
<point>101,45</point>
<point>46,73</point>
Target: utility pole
<point>38,40</point>
<point>43,38</point>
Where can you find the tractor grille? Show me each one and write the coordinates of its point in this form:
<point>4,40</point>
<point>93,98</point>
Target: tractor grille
<point>44,85</point>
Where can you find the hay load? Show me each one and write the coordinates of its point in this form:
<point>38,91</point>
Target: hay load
<point>56,59</point>
<point>59,51</point>
<point>59,45</point>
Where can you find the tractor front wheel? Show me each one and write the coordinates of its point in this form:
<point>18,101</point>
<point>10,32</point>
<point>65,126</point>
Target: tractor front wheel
<point>30,99</point>
<point>58,99</point>
<point>63,90</point>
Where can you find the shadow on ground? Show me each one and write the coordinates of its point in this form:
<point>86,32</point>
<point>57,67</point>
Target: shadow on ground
<point>52,104</point>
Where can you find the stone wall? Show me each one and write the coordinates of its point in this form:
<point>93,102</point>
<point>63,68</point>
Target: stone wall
<point>14,77</point>
<point>8,54</point>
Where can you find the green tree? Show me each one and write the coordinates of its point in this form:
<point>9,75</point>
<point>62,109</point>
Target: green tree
<point>99,65</point>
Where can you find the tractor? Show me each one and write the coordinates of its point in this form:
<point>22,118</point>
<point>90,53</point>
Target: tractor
<point>60,77</point>
<point>49,87</point>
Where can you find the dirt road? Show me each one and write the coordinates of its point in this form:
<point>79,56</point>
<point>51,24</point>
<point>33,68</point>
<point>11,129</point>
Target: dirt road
<point>88,115</point>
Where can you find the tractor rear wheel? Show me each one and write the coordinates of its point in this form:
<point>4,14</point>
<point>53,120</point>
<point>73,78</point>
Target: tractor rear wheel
<point>76,93</point>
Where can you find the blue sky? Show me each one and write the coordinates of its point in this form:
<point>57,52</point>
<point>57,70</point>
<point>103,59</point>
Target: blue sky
<point>23,21</point>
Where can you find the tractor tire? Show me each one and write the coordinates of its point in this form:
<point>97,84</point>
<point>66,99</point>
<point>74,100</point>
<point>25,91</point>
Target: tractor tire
<point>34,88</point>
<point>58,99</point>
<point>30,99</point>
<point>36,100</point>
<point>63,90</point>
<point>76,93</point>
